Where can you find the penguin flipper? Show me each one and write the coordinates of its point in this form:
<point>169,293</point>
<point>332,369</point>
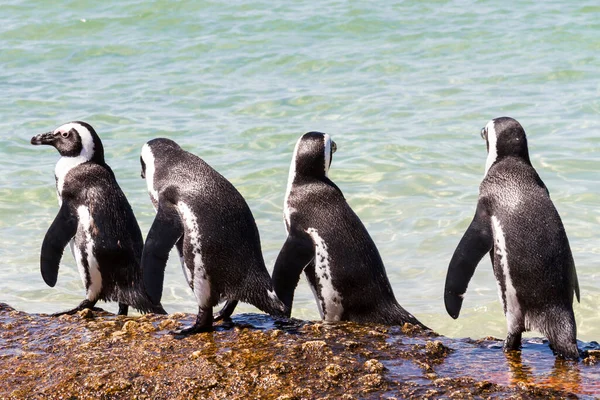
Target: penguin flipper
<point>475,243</point>
<point>164,233</point>
<point>297,252</point>
<point>58,236</point>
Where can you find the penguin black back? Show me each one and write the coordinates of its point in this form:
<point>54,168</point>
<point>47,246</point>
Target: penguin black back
<point>97,219</point>
<point>517,223</point>
<point>207,219</point>
<point>327,241</point>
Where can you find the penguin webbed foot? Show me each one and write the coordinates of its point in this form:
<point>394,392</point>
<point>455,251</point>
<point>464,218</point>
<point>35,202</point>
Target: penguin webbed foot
<point>226,312</point>
<point>82,306</point>
<point>204,321</point>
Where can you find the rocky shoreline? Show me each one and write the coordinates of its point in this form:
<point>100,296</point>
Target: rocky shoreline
<point>99,355</point>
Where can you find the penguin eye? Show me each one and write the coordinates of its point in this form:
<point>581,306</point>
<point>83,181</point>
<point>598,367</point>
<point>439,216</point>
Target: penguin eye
<point>65,134</point>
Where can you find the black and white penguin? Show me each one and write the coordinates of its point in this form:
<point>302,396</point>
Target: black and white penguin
<point>207,219</point>
<point>327,241</point>
<point>517,223</point>
<point>97,220</point>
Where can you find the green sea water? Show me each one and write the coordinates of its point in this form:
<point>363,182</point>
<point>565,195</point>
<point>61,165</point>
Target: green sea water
<point>403,87</point>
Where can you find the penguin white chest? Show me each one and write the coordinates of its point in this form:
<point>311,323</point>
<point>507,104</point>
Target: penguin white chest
<point>62,168</point>
<point>509,298</point>
<point>330,300</point>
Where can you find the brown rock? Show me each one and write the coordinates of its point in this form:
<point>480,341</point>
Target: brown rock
<point>314,347</point>
<point>374,366</point>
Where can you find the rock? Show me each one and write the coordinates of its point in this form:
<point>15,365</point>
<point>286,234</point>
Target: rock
<point>314,347</point>
<point>371,381</point>
<point>436,349</point>
<point>118,385</point>
<point>410,329</point>
<point>130,327</point>
<point>86,313</point>
<point>351,344</point>
<point>374,366</point>
<point>126,357</point>
<point>334,371</point>
<point>168,324</point>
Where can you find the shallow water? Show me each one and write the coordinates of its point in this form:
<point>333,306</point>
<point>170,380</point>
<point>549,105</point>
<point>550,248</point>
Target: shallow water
<point>403,88</point>
<point>484,360</point>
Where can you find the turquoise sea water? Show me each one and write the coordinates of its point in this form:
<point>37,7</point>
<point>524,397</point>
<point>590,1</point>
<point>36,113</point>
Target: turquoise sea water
<point>403,87</point>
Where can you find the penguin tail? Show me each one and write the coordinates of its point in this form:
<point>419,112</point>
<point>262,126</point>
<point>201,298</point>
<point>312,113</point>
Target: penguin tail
<point>143,304</point>
<point>267,301</point>
<point>137,298</point>
<point>561,331</point>
<point>404,317</point>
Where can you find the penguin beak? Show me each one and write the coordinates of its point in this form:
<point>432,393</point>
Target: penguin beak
<point>333,147</point>
<point>43,138</point>
<point>484,135</point>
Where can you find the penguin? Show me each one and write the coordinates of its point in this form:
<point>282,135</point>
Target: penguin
<point>204,216</point>
<point>518,225</point>
<point>97,221</point>
<point>328,241</point>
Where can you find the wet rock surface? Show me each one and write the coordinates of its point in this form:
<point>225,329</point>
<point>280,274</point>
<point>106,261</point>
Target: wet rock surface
<point>99,355</point>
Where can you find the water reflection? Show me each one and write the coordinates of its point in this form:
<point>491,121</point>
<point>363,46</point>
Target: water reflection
<point>520,373</point>
<point>565,375</point>
<point>535,365</point>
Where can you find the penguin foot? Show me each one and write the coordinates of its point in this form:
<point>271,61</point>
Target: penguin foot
<point>191,330</point>
<point>512,342</point>
<point>225,313</point>
<point>204,321</point>
<point>82,306</point>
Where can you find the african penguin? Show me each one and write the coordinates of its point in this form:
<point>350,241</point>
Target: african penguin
<point>97,220</point>
<point>327,241</point>
<point>517,223</point>
<point>207,219</point>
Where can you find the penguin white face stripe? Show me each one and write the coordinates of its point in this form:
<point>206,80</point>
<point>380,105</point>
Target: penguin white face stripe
<point>200,279</point>
<point>87,140</point>
<point>148,158</point>
<point>332,309</point>
<point>513,309</point>
<point>492,150</point>
<point>327,139</point>
<point>65,164</point>
<point>95,285</point>
<point>287,210</point>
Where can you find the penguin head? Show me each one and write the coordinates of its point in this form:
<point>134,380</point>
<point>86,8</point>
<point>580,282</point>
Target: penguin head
<point>155,148</point>
<point>504,137</point>
<point>74,139</point>
<point>159,147</point>
<point>313,154</point>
